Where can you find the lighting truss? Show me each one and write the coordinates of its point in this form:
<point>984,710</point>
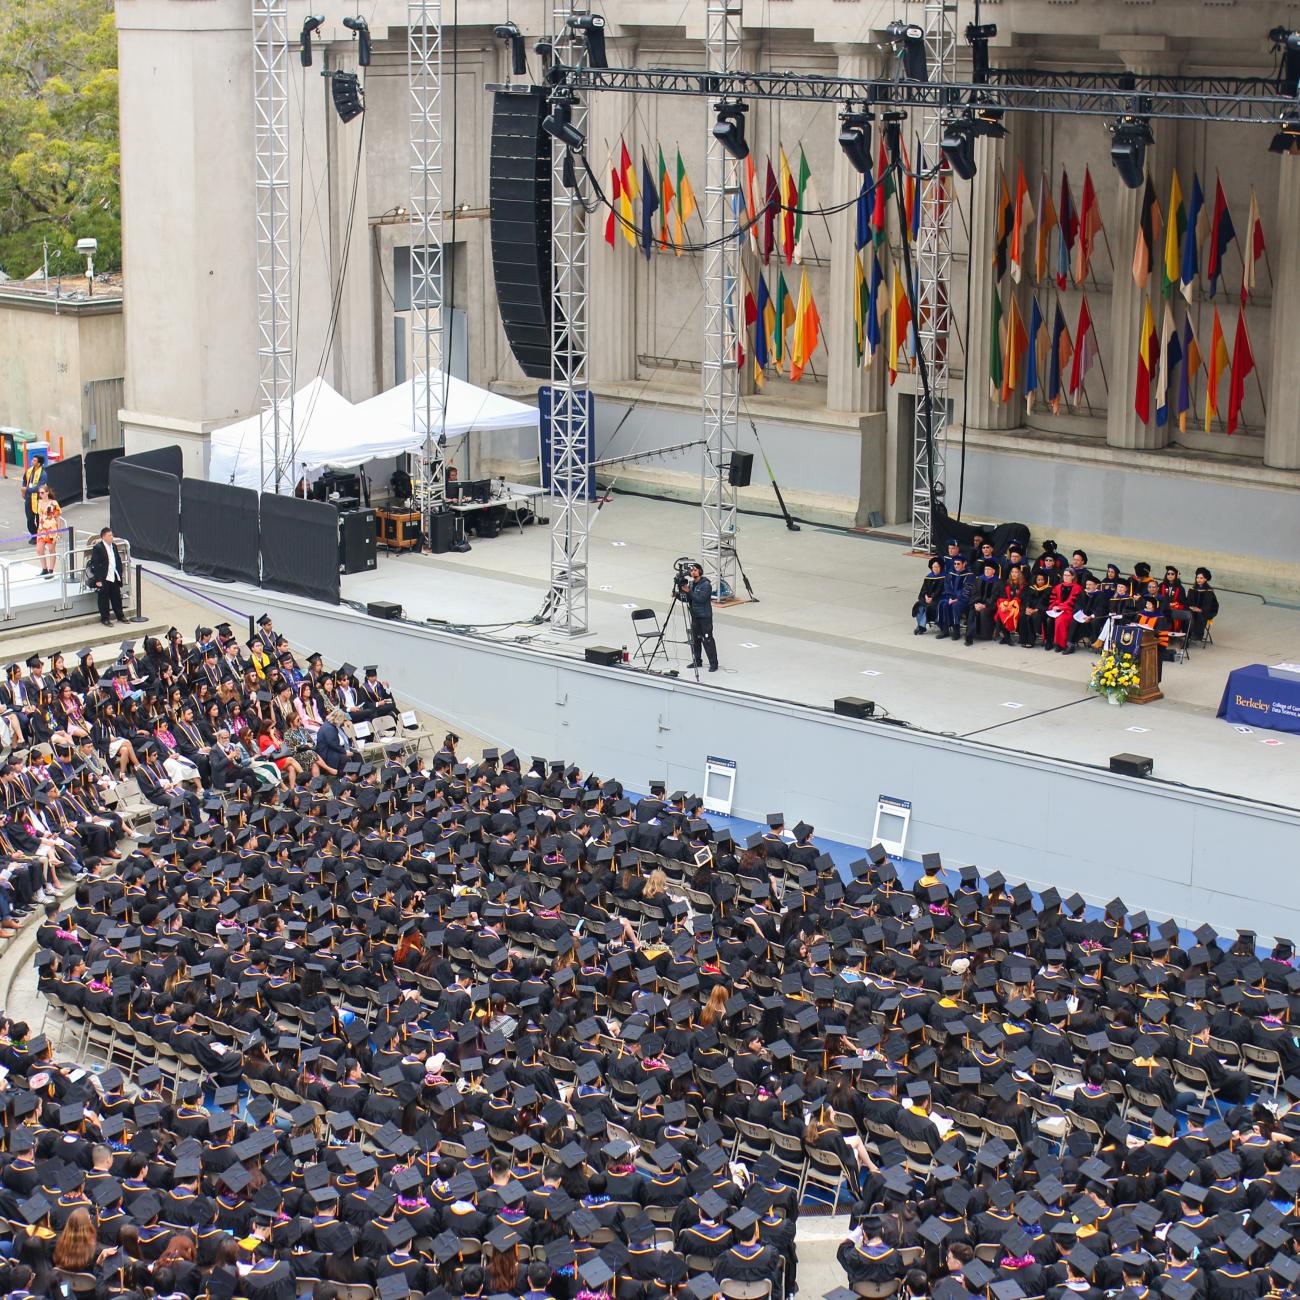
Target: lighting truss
<point>274,243</point>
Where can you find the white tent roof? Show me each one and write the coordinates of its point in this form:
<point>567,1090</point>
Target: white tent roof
<point>329,430</point>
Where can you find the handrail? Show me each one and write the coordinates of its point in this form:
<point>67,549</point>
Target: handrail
<point>69,573</point>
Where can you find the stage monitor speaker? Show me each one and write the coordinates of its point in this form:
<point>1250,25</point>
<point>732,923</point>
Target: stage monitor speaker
<point>851,706</point>
<point>442,531</point>
<point>357,541</point>
<point>603,654</point>
<point>383,609</point>
<point>1132,764</point>
<point>741,468</point>
<point>519,192</point>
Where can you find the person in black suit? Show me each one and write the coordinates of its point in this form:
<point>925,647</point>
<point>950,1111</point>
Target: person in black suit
<point>105,567</point>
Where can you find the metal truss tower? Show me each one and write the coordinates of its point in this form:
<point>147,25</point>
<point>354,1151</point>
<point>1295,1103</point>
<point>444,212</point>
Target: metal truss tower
<point>933,275</point>
<point>424,77</point>
<point>720,373</point>
<point>571,433</point>
<point>274,243</point>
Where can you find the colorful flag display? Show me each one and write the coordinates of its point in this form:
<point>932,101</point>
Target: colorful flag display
<point>1216,364</point>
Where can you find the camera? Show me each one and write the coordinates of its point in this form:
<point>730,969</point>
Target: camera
<point>682,567</point>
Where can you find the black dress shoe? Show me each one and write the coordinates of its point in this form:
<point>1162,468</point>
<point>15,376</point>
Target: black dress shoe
<point>107,622</point>
<point>713,668</point>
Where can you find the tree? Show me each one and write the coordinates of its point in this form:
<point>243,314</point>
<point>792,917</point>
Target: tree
<point>59,156</point>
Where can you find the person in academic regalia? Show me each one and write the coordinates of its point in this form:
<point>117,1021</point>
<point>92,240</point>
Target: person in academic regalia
<point>1202,603</point>
<point>925,610</point>
<point>1009,606</point>
<point>954,602</point>
<point>985,592</point>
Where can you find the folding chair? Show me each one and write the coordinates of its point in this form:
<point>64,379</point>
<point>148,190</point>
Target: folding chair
<point>645,624</point>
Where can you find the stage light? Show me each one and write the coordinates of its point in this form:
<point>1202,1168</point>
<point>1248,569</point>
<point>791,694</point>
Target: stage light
<point>909,38</point>
<point>345,89</point>
<point>559,126</point>
<point>592,27</point>
<point>958,145</point>
<point>1128,149</point>
<point>310,24</point>
<point>1287,139</point>
<point>362,29</point>
<point>1288,42</point>
<point>518,58</point>
<point>855,139</point>
<point>729,129</point>
<point>978,37</point>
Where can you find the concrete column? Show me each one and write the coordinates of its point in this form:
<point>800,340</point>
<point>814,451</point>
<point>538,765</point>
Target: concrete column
<point>1123,428</point>
<point>612,271</point>
<point>1282,425</point>
<point>982,412</point>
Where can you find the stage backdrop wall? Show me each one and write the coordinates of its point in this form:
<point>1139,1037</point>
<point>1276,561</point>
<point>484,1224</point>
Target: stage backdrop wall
<point>144,506</point>
<point>1166,849</point>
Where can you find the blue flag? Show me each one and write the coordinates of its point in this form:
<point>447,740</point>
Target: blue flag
<point>649,206</point>
<point>1055,377</point>
<point>873,307</point>
<point>761,328</point>
<point>862,235</point>
<point>1031,365</point>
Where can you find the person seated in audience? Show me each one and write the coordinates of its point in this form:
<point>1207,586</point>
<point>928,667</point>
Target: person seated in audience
<point>1009,616</point>
<point>1202,603</point>
<point>954,603</point>
<point>1060,614</point>
<point>985,591</point>
<point>1173,596</point>
<point>926,608</point>
<point>1089,617</point>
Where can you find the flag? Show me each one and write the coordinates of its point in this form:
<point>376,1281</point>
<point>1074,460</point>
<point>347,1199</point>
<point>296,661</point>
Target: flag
<point>804,199</point>
<point>1062,351</point>
<point>751,210</point>
<point>666,196</point>
<point>1193,238</point>
<point>1187,376</point>
<point>1148,234</point>
<point>1019,221</point>
<point>1254,247</point>
<point>627,193</point>
<point>1085,351</point>
<point>763,334</point>
<point>1243,362</point>
<point>1171,353</point>
<point>649,206</point>
<point>1216,364</point>
<point>749,314</point>
<point>884,192</point>
<point>1017,346</point>
<point>1031,363</point>
<point>771,207</point>
<point>807,328</point>
<point>862,215</point>
<point>859,310</point>
<point>1068,221</point>
<point>1171,268</point>
<point>914,210</point>
<point>685,205</point>
<point>900,322</point>
<point>1005,220</point>
<point>996,373</point>
<point>1045,224</point>
<point>1222,233</point>
<point>1089,228</point>
<point>615,195</point>
<point>784,319</point>
<point>789,201</point>
<point>1148,346</point>
<point>874,309</point>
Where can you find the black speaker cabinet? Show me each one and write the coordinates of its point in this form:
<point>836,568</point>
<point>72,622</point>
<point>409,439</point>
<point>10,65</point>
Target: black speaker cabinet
<point>519,192</point>
<point>357,541</point>
<point>383,609</point>
<point>741,468</point>
<point>851,706</point>
<point>603,654</point>
<point>1132,764</point>
<point>442,532</point>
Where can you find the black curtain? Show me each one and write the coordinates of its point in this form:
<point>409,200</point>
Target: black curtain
<point>220,525</point>
<point>65,480</point>
<point>300,547</point>
<point>144,506</point>
<point>946,529</point>
<point>97,465</point>
<point>166,459</point>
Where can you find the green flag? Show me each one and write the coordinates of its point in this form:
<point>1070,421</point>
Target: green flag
<point>784,318</point>
<point>995,347</point>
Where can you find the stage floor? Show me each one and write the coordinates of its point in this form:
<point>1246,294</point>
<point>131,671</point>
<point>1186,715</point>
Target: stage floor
<point>832,619</point>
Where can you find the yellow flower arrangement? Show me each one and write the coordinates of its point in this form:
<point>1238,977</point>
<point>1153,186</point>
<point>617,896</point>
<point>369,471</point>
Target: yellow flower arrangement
<point>1114,675</point>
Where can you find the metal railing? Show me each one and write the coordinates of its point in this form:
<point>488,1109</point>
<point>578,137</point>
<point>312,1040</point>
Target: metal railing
<point>24,586</point>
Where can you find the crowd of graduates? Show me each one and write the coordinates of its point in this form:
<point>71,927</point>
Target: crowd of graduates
<point>972,593</point>
<point>445,1028</point>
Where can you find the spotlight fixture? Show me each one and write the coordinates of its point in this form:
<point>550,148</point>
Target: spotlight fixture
<point>1288,42</point>
<point>729,129</point>
<point>362,29</point>
<point>558,124</point>
<point>310,24</point>
<point>1287,139</point>
<point>510,33</point>
<point>592,27</point>
<point>345,90</point>
<point>960,134</point>
<point>855,138</point>
<point>978,36</point>
<point>1128,149</point>
<point>909,40</point>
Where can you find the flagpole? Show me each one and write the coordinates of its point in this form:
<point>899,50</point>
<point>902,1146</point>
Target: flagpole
<point>1101,365</point>
<point>1106,240</point>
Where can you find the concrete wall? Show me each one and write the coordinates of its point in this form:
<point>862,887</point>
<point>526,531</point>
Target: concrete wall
<point>1162,848</point>
<point>46,356</point>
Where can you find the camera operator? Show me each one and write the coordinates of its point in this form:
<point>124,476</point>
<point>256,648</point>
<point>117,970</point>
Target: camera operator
<point>697,592</point>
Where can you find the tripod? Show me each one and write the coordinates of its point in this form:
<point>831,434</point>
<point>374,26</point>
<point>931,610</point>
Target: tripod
<point>659,648</point>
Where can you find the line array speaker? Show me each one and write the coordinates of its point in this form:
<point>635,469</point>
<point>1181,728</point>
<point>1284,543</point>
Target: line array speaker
<point>357,541</point>
<point>520,211</point>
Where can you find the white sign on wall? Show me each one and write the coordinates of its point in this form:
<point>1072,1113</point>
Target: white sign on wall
<point>719,784</point>
<point>892,819</point>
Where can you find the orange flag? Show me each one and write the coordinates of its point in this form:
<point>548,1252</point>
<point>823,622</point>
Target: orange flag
<point>1019,222</point>
<point>1218,363</point>
<point>1017,346</point>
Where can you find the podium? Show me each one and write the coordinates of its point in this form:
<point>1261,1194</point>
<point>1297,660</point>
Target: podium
<point>1144,645</point>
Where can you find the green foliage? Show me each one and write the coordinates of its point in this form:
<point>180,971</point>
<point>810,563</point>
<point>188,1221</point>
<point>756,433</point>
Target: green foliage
<point>59,155</point>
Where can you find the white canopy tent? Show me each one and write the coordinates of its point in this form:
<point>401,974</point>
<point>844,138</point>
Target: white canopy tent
<point>329,430</point>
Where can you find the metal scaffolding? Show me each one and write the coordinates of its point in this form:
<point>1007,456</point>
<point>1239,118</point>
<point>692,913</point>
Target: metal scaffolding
<point>933,272</point>
<point>570,447</point>
<point>424,76</point>
<point>274,243</point>
<point>720,373</point>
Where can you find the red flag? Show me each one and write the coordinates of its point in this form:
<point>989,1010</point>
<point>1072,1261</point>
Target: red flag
<point>1243,362</point>
<point>1222,233</point>
<point>1019,222</point>
<point>1068,219</point>
<point>1089,227</point>
<point>1084,349</point>
<point>615,192</point>
<point>771,206</point>
<point>878,211</point>
<point>1148,355</point>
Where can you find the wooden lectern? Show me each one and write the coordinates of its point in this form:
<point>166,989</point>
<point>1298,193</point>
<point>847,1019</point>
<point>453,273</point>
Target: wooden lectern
<point>1144,645</point>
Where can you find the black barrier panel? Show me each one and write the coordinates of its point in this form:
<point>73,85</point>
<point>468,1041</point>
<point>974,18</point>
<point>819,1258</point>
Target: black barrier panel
<point>97,463</point>
<point>300,547</point>
<point>65,480</point>
<point>945,527</point>
<point>219,523</point>
<point>168,460</point>
<point>144,506</point>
